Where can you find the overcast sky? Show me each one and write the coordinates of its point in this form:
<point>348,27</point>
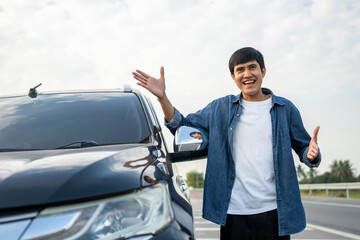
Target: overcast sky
<point>311,51</point>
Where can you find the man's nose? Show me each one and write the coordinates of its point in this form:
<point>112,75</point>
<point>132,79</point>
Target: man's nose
<point>247,73</point>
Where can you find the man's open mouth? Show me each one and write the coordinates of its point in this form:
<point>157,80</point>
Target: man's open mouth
<point>248,82</point>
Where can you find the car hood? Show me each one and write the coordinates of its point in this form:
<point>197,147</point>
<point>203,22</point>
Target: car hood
<point>33,178</point>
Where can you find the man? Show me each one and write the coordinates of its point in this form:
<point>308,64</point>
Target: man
<point>196,135</point>
<point>251,188</point>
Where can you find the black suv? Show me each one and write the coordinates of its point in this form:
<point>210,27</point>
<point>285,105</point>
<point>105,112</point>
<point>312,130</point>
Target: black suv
<point>88,165</point>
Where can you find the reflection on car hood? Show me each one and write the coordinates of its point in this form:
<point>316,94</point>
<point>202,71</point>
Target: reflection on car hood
<point>45,177</point>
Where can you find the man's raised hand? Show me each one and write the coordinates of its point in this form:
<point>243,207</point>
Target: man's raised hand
<point>313,146</point>
<point>155,86</point>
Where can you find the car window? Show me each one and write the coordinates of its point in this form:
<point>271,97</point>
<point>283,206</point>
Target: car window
<point>54,120</point>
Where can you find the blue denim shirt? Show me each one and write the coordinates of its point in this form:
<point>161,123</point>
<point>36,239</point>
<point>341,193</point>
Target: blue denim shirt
<point>217,122</point>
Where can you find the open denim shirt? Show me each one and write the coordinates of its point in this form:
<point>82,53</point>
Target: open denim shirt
<point>217,122</point>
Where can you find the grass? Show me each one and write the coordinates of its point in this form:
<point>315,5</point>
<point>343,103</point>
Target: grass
<point>354,194</point>
<point>357,196</point>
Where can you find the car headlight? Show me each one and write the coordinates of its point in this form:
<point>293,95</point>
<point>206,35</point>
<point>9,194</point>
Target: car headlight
<point>144,212</point>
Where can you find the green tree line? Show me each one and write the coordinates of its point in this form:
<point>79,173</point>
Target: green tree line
<point>340,171</point>
<point>195,179</point>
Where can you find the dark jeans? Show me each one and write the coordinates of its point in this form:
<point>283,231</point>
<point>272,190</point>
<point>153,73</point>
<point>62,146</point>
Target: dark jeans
<point>263,226</point>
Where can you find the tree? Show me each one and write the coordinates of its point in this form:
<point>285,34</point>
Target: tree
<point>195,179</point>
<point>342,170</point>
<point>300,172</point>
<point>312,174</point>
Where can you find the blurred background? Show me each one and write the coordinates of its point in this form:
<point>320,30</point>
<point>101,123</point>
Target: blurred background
<point>311,51</point>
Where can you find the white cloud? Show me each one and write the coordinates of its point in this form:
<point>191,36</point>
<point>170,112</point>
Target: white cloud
<point>310,47</point>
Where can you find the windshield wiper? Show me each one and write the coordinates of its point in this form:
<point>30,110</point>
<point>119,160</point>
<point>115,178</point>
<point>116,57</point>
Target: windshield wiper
<point>18,149</point>
<point>79,144</point>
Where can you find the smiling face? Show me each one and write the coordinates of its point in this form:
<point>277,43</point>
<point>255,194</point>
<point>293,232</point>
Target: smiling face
<point>196,135</point>
<point>248,77</point>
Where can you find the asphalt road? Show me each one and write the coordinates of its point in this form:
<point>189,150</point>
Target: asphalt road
<point>337,214</point>
<point>327,218</point>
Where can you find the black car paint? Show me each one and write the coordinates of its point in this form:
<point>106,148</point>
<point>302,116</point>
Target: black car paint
<point>39,179</point>
<point>53,176</point>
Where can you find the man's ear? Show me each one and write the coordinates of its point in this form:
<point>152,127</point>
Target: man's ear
<point>263,71</point>
<point>233,77</point>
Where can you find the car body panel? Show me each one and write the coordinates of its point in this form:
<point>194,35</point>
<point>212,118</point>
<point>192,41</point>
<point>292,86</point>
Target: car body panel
<point>33,180</point>
<point>48,177</point>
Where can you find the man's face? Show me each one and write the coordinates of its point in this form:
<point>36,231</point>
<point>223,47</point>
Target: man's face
<point>248,77</point>
<point>196,135</point>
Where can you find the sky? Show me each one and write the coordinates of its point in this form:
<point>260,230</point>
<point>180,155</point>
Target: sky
<point>311,51</point>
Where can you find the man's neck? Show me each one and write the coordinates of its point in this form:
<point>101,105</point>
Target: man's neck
<point>256,98</point>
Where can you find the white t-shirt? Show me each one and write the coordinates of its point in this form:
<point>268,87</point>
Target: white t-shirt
<point>254,188</point>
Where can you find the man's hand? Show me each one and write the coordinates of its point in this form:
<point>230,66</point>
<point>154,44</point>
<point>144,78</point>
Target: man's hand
<point>155,86</point>
<point>313,146</point>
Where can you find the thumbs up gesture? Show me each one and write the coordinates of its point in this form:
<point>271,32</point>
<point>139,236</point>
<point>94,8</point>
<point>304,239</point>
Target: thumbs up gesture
<point>313,146</point>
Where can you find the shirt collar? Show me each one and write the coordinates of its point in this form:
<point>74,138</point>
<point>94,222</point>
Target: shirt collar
<point>275,99</point>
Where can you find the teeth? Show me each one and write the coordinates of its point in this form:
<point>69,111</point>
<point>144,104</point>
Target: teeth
<point>249,81</point>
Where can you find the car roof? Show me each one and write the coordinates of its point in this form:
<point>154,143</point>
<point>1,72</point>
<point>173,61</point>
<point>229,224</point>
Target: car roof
<point>120,90</point>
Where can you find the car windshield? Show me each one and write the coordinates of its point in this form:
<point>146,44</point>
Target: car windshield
<point>55,120</point>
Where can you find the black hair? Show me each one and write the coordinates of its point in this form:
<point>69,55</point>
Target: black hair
<point>244,55</point>
<point>194,132</point>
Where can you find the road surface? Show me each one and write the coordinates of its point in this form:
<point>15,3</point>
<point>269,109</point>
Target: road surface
<point>327,218</point>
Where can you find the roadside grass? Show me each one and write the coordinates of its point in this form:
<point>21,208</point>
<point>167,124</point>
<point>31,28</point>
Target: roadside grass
<point>354,194</point>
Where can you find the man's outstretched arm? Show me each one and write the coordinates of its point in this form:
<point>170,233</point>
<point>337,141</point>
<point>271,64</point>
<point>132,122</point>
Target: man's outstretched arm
<point>157,88</point>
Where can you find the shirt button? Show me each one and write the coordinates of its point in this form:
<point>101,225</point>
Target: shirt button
<point>238,114</point>
<point>230,129</point>
<point>229,196</point>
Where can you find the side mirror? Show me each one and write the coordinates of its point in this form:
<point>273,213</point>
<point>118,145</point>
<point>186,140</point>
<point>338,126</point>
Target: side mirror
<point>187,145</point>
<point>187,139</point>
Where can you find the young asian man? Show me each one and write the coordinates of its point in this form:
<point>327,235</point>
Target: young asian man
<point>251,187</point>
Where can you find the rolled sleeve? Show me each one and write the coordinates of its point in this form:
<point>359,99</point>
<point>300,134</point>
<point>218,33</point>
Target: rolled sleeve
<point>175,121</point>
<point>313,163</point>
